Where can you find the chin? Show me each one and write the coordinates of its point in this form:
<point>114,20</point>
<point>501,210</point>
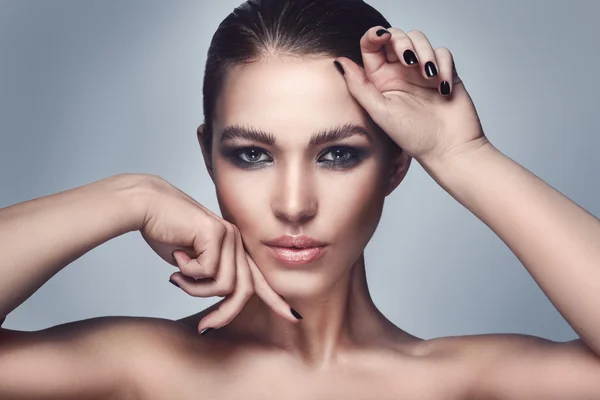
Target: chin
<point>300,281</point>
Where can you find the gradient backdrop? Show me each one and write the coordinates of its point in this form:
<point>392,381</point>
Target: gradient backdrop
<point>90,89</point>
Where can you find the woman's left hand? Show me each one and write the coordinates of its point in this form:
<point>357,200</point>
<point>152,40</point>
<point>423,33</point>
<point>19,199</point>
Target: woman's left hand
<point>408,104</point>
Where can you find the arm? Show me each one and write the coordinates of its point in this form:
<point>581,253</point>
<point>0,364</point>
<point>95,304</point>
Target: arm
<point>83,359</point>
<point>557,241</point>
<point>523,367</point>
<point>39,237</point>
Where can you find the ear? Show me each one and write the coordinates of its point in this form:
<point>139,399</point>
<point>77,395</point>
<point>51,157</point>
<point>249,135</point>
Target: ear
<point>399,163</point>
<point>206,153</point>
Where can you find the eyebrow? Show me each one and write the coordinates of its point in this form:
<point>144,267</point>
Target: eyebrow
<point>323,136</point>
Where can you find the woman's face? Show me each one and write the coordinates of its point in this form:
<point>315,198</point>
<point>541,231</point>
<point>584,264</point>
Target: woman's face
<point>290,179</point>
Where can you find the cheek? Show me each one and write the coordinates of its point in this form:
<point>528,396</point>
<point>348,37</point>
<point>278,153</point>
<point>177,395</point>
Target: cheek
<point>241,200</point>
<point>355,205</point>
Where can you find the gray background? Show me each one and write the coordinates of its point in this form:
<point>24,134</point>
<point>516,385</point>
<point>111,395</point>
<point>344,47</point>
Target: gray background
<point>90,89</point>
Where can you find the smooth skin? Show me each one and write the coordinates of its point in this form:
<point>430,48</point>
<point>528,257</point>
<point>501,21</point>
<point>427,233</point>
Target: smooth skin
<point>343,348</point>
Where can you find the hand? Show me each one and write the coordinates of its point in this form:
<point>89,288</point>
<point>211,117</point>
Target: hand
<point>407,104</point>
<point>208,251</point>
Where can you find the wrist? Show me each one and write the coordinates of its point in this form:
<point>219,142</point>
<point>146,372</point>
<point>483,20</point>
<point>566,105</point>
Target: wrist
<point>133,194</point>
<point>439,162</point>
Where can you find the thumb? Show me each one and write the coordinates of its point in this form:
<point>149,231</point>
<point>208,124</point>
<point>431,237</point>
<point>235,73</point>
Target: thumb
<point>362,89</point>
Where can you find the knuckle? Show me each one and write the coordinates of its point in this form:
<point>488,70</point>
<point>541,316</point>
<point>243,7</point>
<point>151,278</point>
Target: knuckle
<point>227,287</point>
<point>401,42</point>
<point>186,269</point>
<point>210,271</point>
<point>230,230</point>
<point>364,80</point>
<point>443,52</point>
<point>191,270</point>
<point>219,228</point>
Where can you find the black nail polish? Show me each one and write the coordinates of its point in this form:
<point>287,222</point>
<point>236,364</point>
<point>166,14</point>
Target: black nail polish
<point>295,313</point>
<point>445,88</point>
<point>430,69</point>
<point>410,57</point>
<point>206,330</point>
<point>382,32</point>
<point>174,283</point>
<point>339,67</point>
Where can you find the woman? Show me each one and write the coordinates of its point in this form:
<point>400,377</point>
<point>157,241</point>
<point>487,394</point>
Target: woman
<point>313,112</point>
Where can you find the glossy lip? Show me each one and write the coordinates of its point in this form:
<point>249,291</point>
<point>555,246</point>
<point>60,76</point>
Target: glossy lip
<point>294,256</point>
<point>296,249</point>
<point>300,242</point>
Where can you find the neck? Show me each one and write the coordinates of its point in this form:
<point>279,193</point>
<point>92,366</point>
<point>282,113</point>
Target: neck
<point>342,319</point>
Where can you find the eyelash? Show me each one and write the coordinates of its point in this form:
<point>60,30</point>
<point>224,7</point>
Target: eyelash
<point>355,156</point>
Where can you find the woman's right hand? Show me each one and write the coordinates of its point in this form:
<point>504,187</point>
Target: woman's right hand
<point>209,253</point>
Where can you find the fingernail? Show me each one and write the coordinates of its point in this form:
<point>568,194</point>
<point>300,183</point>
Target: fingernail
<point>174,283</point>
<point>430,69</point>
<point>206,330</point>
<point>410,57</point>
<point>295,313</point>
<point>339,67</point>
<point>445,88</point>
<point>382,32</point>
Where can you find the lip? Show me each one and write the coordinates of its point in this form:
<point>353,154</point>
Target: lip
<point>296,250</point>
<point>301,242</point>
<point>291,255</point>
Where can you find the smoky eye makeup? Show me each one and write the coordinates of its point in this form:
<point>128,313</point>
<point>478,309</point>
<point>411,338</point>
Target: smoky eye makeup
<point>340,157</point>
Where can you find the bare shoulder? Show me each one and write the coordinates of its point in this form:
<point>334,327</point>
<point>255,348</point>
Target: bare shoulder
<point>86,358</point>
<point>515,366</point>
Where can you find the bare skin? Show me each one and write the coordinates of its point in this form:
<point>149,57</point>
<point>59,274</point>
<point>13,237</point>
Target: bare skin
<point>153,358</point>
<point>343,347</point>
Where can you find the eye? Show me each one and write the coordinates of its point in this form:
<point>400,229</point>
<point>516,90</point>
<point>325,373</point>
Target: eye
<point>341,157</point>
<point>339,154</point>
<point>251,155</point>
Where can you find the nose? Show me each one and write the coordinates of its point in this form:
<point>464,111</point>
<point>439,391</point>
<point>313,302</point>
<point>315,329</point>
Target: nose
<point>294,198</point>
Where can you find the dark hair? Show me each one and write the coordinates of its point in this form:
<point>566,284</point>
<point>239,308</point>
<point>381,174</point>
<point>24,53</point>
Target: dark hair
<point>297,28</point>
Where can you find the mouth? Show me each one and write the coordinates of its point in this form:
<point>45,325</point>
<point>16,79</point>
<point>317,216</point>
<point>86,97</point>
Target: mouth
<point>297,256</point>
<point>296,249</point>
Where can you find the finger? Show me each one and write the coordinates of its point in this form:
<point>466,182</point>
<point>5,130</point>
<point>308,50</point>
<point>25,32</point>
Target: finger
<point>234,303</point>
<point>425,54</point>
<point>207,245</point>
<point>225,279</point>
<point>400,47</point>
<point>371,43</point>
<point>226,275</point>
<point>363,90</point>
<point>446,63</point>
<point>267,294</point>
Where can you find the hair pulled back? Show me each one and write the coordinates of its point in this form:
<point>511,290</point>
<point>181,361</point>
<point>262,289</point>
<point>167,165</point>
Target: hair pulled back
<point>293,28</point>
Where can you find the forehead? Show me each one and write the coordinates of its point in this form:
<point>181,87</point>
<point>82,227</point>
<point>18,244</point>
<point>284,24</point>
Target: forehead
<point>287,96</point>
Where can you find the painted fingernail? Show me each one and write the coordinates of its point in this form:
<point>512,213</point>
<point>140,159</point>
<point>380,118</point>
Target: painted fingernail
<point>382,32</point>
<point>430,69</point>
<point>174,283</point>
<point>295,313</point>
<point>339,67</point>
<point>445,88</point>
<point>206,330</point>
<point>410,57</point>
